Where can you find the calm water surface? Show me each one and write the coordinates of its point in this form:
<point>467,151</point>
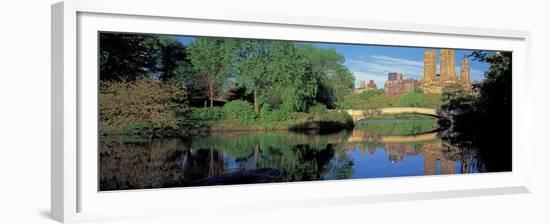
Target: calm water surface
<point>376,148</point>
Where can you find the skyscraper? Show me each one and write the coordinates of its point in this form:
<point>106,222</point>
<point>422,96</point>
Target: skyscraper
<point>447,67</point>
<point>465,70</point>
<point>430,66</point>
<point>431,83</point>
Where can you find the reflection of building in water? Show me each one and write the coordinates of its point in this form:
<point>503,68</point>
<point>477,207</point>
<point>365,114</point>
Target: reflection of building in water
<point>396,151</point>
<point>363,149</point>
<point>371,148</point>
<point>434,152</point>
<point>439,156</point>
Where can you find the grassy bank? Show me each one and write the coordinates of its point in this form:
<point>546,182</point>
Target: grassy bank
<point>295,121</point>
<point>405,127</point>
<point>197,121</point>
<point>240,116</point>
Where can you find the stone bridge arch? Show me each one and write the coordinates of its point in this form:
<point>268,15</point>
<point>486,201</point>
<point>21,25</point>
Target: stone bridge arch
<point>358,115</point>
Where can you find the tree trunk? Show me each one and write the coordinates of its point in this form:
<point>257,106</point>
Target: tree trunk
<point>256,154</point>
<point>256,106</point>
<point>211,167</point>
<point>211,96</point>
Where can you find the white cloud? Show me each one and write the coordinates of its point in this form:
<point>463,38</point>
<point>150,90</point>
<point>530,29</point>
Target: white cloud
<point>377,68</point>
<point>398,60</point>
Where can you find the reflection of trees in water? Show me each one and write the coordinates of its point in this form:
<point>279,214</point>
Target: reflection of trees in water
<point>157,164</point>
<point>197,164</point>
<point>339,167</point>
<point>312,157</point>
<point>483,152</point>
<point>173,162</point>
<point>298,157</point>
<point>138,165</point>
<point>485,122</point>
<point>299,163</point>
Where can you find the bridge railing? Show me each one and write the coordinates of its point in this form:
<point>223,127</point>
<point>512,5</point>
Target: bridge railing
<point>362,114</point>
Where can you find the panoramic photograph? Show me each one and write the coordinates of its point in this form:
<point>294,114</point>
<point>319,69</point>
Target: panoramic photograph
<point>190,111</point>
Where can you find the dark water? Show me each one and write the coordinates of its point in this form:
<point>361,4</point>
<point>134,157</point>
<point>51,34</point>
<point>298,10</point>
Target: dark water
<point>383,148</point>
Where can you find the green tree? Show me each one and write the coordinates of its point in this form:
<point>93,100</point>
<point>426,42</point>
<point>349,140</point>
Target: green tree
<point>370,93</point>
<point>127,56</point>
<point>410,99</point>
<point>174,60</point>
<point>274,71</point>
<point>254,62</point>
<point>211,61</point>
<point>334,79</point>
<point>493,111</point>
<point>495,92</point>
<point>294,78</point>
<point>240,111</point>
<point>455,97</point>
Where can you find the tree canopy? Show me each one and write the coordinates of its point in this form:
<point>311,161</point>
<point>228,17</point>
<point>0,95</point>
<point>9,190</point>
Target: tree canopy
<point>127,56</point>
<point>211,62</point>
<point>174,60</point>
<point>334,79</point>
<point>279,74</point>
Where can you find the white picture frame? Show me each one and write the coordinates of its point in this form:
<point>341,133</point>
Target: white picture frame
<point>74,62</point>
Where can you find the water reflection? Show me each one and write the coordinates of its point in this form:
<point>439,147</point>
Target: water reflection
<point>373,149</point>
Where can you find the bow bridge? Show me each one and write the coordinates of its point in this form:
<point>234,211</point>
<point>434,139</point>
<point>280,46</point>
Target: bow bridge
<point>358,115</point>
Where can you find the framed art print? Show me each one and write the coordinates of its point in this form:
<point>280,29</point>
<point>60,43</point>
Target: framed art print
<point>184,111</point>
<point>209,110</point>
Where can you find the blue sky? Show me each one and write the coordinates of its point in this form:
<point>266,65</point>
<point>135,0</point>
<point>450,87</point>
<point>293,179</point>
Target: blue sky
<point>371,62</point>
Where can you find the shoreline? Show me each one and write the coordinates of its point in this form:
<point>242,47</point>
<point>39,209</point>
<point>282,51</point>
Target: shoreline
<point>309,128</point>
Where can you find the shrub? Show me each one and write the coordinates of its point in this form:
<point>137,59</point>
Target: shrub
<point>366,100</point>
<point>455,97</point>
<point>431,100</point>
<point>140,106</point>
<point>344,118</point>
<point>318,109</point>
<point>240,111</point>
<point>266,108</point>
<point>370,93</point>
<point>276,115</point>
<point>207,113</point>
<point>410,99</point>
<point>327,123</point>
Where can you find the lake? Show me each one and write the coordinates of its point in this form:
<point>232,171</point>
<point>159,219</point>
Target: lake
<point>373,149</point>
